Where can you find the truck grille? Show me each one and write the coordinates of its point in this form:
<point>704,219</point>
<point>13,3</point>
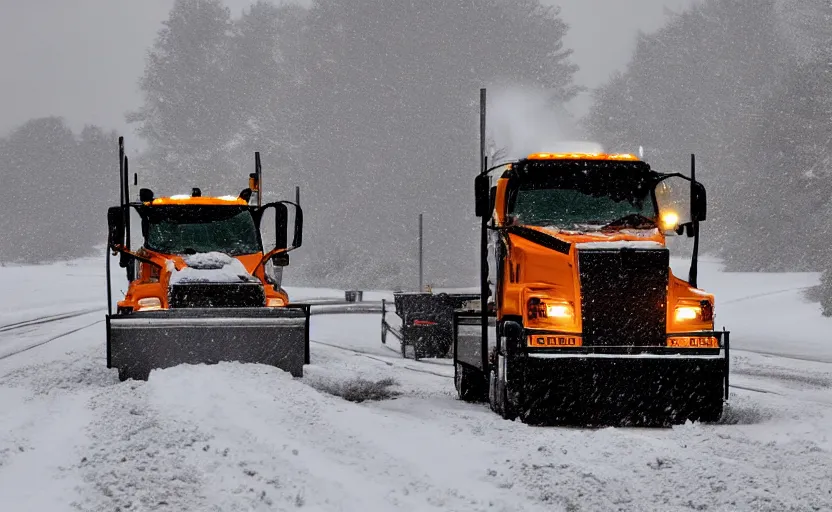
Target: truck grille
<point>624,296</point>
<point>217,295</point>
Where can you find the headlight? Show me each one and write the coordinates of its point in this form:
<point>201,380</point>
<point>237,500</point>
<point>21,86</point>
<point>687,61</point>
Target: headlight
<point>150,303</point>
<point>704,312</point>
<point>684,313</point>
<point>559,311</point>
<point>275,303</point>
<point>541,309</point>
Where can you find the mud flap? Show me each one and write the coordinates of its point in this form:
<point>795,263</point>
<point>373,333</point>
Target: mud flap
<point>140,342</point>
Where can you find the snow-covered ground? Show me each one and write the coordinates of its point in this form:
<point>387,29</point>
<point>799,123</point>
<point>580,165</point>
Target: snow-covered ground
<point>247,437</point>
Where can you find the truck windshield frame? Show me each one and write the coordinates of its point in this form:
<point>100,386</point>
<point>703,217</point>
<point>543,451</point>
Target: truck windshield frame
<point>188,229</point>
<point>582,195</point>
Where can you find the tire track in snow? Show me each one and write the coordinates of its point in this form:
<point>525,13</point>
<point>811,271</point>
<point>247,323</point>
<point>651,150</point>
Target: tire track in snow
<point>48,340</point>
<point>47,319</point>
<point>388,362</point>
<point>823,360</point>
<point>766,294</point>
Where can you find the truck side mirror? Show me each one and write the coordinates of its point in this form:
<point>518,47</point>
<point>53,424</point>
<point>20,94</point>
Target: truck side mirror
<point>115,222</point>
<point>281,223</point>
<point>481,195</point>
<point>281,226</point>
<point>699,203</point>
<point>297,240</point>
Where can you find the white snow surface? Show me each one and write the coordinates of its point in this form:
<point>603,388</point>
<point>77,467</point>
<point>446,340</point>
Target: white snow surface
<point>234,437</point>
<point>211,267</point>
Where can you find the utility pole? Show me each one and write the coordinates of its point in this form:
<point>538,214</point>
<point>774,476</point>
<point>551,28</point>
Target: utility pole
<point>421,255</point>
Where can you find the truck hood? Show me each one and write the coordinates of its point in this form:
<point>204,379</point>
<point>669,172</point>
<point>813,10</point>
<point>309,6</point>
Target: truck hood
<point>630,238</point>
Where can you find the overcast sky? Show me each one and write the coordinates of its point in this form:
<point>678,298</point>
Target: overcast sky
<point>81,59</point>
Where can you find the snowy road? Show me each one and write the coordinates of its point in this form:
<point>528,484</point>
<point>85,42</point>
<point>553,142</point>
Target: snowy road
<point>242,437</point>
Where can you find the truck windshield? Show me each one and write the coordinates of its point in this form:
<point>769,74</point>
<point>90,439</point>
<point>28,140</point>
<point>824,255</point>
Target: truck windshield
<point>199,229</point>
<point>572,209</point>
<point>584,200</point>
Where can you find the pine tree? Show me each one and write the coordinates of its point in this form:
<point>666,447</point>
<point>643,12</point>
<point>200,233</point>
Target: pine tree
<point>54,187</point>
<point>699,85</point>
<point>389,94</point>
<point>261,84</point>
<point>186,117</point>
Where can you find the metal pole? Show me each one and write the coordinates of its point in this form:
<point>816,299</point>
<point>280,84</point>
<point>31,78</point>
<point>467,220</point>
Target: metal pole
<point>258,171</point>
<point>127,201</point>
<point>483,247</point>
<point>121,170</point>
<point>421,254</point>
<point>109,287</point>
<point>693,277</point>
<point>482,130</point>
<point>297,195</point>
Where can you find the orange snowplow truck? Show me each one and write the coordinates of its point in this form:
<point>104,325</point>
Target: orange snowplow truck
<point>199,290</point>
<point>586,321</point>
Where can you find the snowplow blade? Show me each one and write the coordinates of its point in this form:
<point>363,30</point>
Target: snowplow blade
<point>142,341</point>
<point>593,389</point>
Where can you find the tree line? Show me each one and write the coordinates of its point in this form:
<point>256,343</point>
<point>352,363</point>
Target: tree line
<point>369,106</point>
<point>55,186</point>
<point>747,85</point>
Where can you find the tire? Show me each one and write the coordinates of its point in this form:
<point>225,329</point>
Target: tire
<point>469,384</point>
<point>434,347</point>
<point>444,347</point>
<point>498,399</point>
<point>418,351</point>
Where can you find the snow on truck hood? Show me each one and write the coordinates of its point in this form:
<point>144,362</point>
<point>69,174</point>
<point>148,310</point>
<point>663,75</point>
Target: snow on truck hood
<point>211,267</point>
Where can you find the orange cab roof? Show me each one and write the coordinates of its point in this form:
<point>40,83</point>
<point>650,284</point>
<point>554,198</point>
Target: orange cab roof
<point>582,156</point>
<point>198,200</point>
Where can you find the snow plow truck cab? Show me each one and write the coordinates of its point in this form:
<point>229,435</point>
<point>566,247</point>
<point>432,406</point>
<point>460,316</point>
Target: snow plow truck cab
<point>198,288</point>
<point>586,322</point>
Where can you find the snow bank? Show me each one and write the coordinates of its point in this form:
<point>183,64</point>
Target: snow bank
<point>212,267</point>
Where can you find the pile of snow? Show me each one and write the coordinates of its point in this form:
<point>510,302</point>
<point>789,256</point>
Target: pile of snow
<point>212,267</point>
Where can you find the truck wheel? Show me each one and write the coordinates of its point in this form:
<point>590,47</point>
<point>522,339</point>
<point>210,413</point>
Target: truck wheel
<point>469,384</point>
<point>434,348</point>
<point>498,398</point>
<point>444,347</point>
